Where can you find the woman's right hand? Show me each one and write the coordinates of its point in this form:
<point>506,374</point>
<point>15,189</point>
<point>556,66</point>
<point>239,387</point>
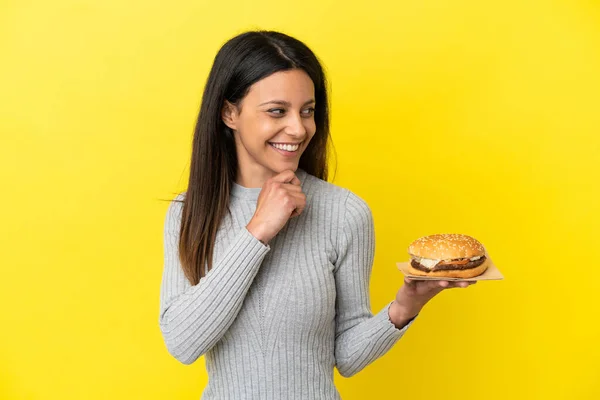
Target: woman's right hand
<point>280,199</point>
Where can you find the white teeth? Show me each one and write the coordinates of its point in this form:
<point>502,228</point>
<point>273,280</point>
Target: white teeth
<point>286,147</point>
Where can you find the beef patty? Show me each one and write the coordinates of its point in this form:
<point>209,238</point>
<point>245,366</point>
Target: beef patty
<point>446,267</point>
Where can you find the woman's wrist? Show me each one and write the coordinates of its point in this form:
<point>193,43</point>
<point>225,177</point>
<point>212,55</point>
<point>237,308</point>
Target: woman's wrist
<point>400,315</point>
<point>258,232</point>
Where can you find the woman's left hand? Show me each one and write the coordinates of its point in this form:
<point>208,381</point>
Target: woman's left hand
<point>413,296</point>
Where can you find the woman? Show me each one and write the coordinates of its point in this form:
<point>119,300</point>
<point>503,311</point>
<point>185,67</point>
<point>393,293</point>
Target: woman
<point>267,265</point>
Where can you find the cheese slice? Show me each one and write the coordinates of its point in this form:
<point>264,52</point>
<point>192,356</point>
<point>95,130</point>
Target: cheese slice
<point>427,263</point>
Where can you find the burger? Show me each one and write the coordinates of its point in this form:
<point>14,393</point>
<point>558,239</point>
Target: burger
<point>447,256</point>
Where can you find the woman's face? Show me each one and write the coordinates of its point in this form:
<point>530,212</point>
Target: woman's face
<point>273,125</point>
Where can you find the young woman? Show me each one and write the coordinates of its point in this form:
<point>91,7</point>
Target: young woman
<point>267,265</point>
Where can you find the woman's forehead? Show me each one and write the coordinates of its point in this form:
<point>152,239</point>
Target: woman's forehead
<point>293,86</point>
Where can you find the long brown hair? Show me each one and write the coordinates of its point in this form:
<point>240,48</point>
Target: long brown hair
<point>242,61</point>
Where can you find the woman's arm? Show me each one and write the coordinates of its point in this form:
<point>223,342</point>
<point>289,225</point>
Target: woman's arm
<point>194,318</point>
<point>361,337</point>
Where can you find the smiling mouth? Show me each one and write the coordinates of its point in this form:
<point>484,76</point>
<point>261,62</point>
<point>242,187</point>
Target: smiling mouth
<point>286,147</point>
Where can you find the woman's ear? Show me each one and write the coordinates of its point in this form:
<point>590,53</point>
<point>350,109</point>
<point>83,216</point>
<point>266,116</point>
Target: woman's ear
<point>229,115</point>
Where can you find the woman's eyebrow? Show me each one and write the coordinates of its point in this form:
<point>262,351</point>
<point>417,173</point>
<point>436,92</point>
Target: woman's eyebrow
<point>285,103</point>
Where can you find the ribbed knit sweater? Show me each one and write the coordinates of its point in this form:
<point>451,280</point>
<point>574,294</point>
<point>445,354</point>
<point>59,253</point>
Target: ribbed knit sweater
<point>274,320</point>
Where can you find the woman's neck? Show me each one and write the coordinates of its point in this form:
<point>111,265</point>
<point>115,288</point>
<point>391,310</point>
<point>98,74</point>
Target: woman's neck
<point>253,177</point>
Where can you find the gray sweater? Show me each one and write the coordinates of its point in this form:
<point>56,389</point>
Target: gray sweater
<point>273,321</point>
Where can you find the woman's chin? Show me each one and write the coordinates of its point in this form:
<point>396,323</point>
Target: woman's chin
<point>281,167</point>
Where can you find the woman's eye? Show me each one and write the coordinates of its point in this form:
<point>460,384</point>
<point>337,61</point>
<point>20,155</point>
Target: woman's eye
<point>280,112</point>
<point>277,111</point>
<point>308,111</point>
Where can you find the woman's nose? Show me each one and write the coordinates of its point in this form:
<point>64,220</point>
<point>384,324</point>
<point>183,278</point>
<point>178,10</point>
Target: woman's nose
<point>296,126</point>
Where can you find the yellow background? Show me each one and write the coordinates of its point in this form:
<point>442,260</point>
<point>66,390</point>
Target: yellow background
<point>480,117</point>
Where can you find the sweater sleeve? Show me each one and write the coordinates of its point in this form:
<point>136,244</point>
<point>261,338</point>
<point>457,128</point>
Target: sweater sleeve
<point>361,337</point>
<point>193,318</point>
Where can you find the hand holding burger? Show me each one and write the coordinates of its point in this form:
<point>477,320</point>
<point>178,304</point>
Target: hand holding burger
<point>444,255</point>
<point>413,296</point>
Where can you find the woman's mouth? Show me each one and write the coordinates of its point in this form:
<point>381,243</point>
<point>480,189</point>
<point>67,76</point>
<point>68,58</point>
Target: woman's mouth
<point>286,149</point>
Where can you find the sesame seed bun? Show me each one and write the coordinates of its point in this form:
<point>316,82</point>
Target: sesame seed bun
<point>446,247</point>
